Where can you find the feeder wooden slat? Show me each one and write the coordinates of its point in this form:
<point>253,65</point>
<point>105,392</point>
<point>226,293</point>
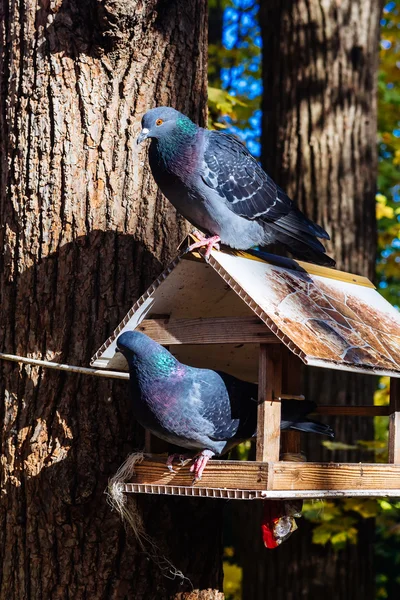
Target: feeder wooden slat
<point>217,330</point>
<point>333,476</point>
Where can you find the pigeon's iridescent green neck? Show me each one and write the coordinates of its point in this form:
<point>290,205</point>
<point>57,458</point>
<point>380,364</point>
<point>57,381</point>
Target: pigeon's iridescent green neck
<point>164,363</point>
<point>178,141</point>
<point>186,126</point>
<point>156,363</point>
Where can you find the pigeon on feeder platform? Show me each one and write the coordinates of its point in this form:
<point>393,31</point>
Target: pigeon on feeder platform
<point>217,185</point>
<point>198,409</point>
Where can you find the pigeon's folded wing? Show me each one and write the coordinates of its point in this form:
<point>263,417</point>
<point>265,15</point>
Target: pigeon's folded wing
<point>236,413</point>
<point>238,178</point>
<point>208,400</point>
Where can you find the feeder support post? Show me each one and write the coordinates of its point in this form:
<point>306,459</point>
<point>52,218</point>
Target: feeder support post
<point>394,421</point>
<point>269,405</point>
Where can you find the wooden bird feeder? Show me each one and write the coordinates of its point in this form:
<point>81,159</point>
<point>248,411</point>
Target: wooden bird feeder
<point>264,320</point>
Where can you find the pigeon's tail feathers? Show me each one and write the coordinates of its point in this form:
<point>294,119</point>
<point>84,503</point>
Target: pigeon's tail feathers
<point>295,220</point>
<point>313,427</point>
<point>302,245</point>
<point>300,236</point>
<point>302,252</point>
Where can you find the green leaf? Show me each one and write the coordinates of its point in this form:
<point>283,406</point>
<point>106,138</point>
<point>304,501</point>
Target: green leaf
<point>321,535</point>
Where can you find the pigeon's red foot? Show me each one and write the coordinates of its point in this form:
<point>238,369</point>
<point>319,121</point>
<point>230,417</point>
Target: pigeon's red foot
<point>181,459</point>
<point>208,243</point>
<point>199,463</point>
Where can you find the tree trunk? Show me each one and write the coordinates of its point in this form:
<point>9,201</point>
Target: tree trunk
<point>83,232</point>
<point>320,63</point>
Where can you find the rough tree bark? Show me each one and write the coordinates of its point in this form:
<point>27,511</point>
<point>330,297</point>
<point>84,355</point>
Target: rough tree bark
<point>320,61</point>
<point>83,232</point>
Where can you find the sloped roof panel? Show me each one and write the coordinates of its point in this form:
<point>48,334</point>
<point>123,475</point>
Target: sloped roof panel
<point>328,318</point>
<point>331,322</point>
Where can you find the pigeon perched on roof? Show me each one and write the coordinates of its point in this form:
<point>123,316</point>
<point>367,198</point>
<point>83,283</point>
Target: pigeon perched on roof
<point>198,409</point>
<point>215,183</point>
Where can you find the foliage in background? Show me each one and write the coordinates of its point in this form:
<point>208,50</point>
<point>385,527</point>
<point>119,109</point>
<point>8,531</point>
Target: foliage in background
<point>388,198</point>
<point>235,70</point>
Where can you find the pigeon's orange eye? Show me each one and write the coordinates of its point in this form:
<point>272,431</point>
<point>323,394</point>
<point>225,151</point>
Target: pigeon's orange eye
<point>159,122</point>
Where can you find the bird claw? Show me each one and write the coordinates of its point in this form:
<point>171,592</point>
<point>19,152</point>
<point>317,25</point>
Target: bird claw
<point>209,243</point>
<point>181,459</point>
<point>199,463</point>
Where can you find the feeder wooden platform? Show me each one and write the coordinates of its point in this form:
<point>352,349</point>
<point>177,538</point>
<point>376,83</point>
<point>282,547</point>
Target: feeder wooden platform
<point>255,480</point>
<point>263,321</point>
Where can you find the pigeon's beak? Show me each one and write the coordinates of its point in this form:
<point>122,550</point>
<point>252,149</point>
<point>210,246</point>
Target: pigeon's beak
<point>144,134</point>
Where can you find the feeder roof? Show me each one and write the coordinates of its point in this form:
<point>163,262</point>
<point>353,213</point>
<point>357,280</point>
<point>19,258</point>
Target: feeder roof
<point>328,318</point>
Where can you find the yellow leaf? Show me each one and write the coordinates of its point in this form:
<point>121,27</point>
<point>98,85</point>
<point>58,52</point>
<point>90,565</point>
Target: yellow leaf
<point>232,581</point>
<point>339,539</point>
<point>381,199</point>
<point>338,445</point>
<point>223,101</point>
<point>385,505</point>
<point>391,269</point>
<point>381,396</point>
<point>384,211</point>
<point>372,444</point>
<point>366,508</point>
<point>229,551</point>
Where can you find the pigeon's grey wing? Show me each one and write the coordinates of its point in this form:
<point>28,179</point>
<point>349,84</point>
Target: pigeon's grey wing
<point>238,178</point>
<point>231,170</point>
<point>229,406</point>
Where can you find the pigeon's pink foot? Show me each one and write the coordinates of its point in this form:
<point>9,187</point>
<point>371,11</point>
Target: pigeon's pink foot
<point>208,243</point>
<point>181,459</point>
<point>199,463</point>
